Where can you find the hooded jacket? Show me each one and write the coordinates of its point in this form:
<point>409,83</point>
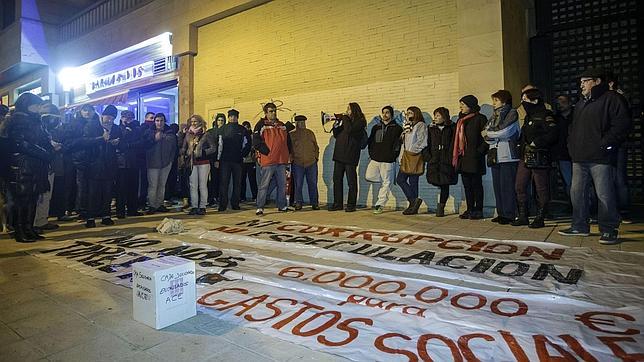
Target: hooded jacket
<point>384,141</point>
<point>599,126</point>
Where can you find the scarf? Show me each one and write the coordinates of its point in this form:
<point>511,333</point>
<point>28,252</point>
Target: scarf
<point>460,142</point>
<point>195,131</point>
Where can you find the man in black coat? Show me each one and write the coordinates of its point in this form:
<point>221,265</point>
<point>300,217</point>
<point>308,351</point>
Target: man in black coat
<point>600,125</point>
<point>100,141</point>
<point>129,158</point>
<point>234,144</point>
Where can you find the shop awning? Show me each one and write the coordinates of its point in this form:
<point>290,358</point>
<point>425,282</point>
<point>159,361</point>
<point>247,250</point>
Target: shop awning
<point>110,99</point>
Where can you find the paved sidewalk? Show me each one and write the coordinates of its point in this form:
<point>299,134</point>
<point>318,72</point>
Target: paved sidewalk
<point>50,312</point>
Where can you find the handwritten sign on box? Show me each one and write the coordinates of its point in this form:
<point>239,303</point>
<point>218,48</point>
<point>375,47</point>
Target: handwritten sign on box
<point>163,291</point>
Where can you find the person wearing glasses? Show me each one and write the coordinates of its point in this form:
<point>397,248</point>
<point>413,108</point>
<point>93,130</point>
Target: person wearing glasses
<point>600,125</point>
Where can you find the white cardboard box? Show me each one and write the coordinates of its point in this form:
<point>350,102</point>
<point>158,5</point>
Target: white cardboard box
<point>163,291</point>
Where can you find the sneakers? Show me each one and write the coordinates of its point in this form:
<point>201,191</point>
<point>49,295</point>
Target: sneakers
<point>609,238</point>
<point>572,232</point>
<point>201,211</point>
<point>378,209</point>
<point>259,212</point>
<point>315,207</point>
<point>193,211</point>
<point>298,206</point>
<point>284,209</point>
<point>162,208</point>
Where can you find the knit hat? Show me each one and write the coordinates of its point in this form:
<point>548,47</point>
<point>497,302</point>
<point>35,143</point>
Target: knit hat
<point>110,111</point>
<point>472,102</point>
<point>233,112</point>
<point>300,118</point>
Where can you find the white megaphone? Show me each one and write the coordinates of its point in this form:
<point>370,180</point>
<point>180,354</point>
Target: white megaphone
<point>330,117</point>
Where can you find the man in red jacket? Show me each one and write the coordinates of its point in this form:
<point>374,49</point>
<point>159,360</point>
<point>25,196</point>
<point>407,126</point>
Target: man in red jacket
<point>273,144</point>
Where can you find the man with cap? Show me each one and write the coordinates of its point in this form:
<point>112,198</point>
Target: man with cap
<point>100,140</point>
<point>305,162</point>
<point>129,157</point>
<point>234,144</point>
<point>599,126</point>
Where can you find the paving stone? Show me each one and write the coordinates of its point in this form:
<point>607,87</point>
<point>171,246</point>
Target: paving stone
<point>106,347</point>
<point>20,351</point>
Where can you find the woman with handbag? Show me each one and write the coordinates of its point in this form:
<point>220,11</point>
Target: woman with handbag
<point>502,133</point>
<point>440,171</point>
<point>468,156</point>
<point>538,135</point>
<point>196,151</point>
<point>411,159</point>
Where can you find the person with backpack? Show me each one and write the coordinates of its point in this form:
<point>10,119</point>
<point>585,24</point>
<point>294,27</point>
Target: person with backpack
<point>350,136</point>
<point>440,143</point>
<point>414,140</point>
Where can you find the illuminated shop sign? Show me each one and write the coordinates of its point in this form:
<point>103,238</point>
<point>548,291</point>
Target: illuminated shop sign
<point>121,77</point>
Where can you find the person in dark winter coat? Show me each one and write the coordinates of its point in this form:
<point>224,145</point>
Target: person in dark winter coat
<point>502,133</point>
<point>79,156</point>
<point>539,134</point>
<point>440,144</point>
<point>348,132</point>
<point>100,141</point>
<point>249,169</point>
<point>28,162</point>
<point>128,156</point>
<point>600,125</point>
<point>384,149</point>
<point>159,158</point>
<point>560,152</point>
<point>468,156</point>
<point>234,144</point>
<point>215,172</point>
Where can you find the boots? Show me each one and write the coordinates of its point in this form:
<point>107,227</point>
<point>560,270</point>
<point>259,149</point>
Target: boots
<point>414,205</point>
<point>538,220</point>
<point>522,217</point>
<point>440,210</point>
<point>29,222</point>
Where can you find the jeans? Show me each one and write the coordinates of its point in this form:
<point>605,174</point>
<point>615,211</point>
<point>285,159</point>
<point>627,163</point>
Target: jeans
<point>227,169</point>
<point>504,180</point>
<point>565,169</point>
<point>339,169</point>
<point>100,198</point>
<point>311,174</point>
<point>603,176</point>
<point>249,171</point>
<point>383,172</point>
<point>541,178</point>
<point>199,186</point>
<point>82,192</point>
<point>157,178</point>
<point>127,183</point>
<point>42,206</point>
<point>621,181</point>
<point>408,184</point>
<point>266,174</point>
<point>473,185</point>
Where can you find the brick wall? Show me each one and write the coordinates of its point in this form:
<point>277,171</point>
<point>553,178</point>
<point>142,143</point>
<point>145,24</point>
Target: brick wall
<point>313,56</point>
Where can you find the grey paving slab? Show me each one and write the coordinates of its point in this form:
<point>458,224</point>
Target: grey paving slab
<point>105,347</point>
<point>190,347</point>
<point>7,335</point>
<point>20,351</point>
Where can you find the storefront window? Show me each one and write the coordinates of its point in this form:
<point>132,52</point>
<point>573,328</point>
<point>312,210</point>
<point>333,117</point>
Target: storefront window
<point>163,101</point>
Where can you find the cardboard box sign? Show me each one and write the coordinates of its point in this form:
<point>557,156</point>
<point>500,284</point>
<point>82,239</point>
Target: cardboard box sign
<point>164,291</point>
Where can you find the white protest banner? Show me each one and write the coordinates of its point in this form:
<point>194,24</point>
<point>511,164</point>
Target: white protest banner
<point>386,313</point>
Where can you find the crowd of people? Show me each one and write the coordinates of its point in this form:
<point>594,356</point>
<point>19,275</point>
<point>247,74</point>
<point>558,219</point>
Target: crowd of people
<point>75,169</point>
